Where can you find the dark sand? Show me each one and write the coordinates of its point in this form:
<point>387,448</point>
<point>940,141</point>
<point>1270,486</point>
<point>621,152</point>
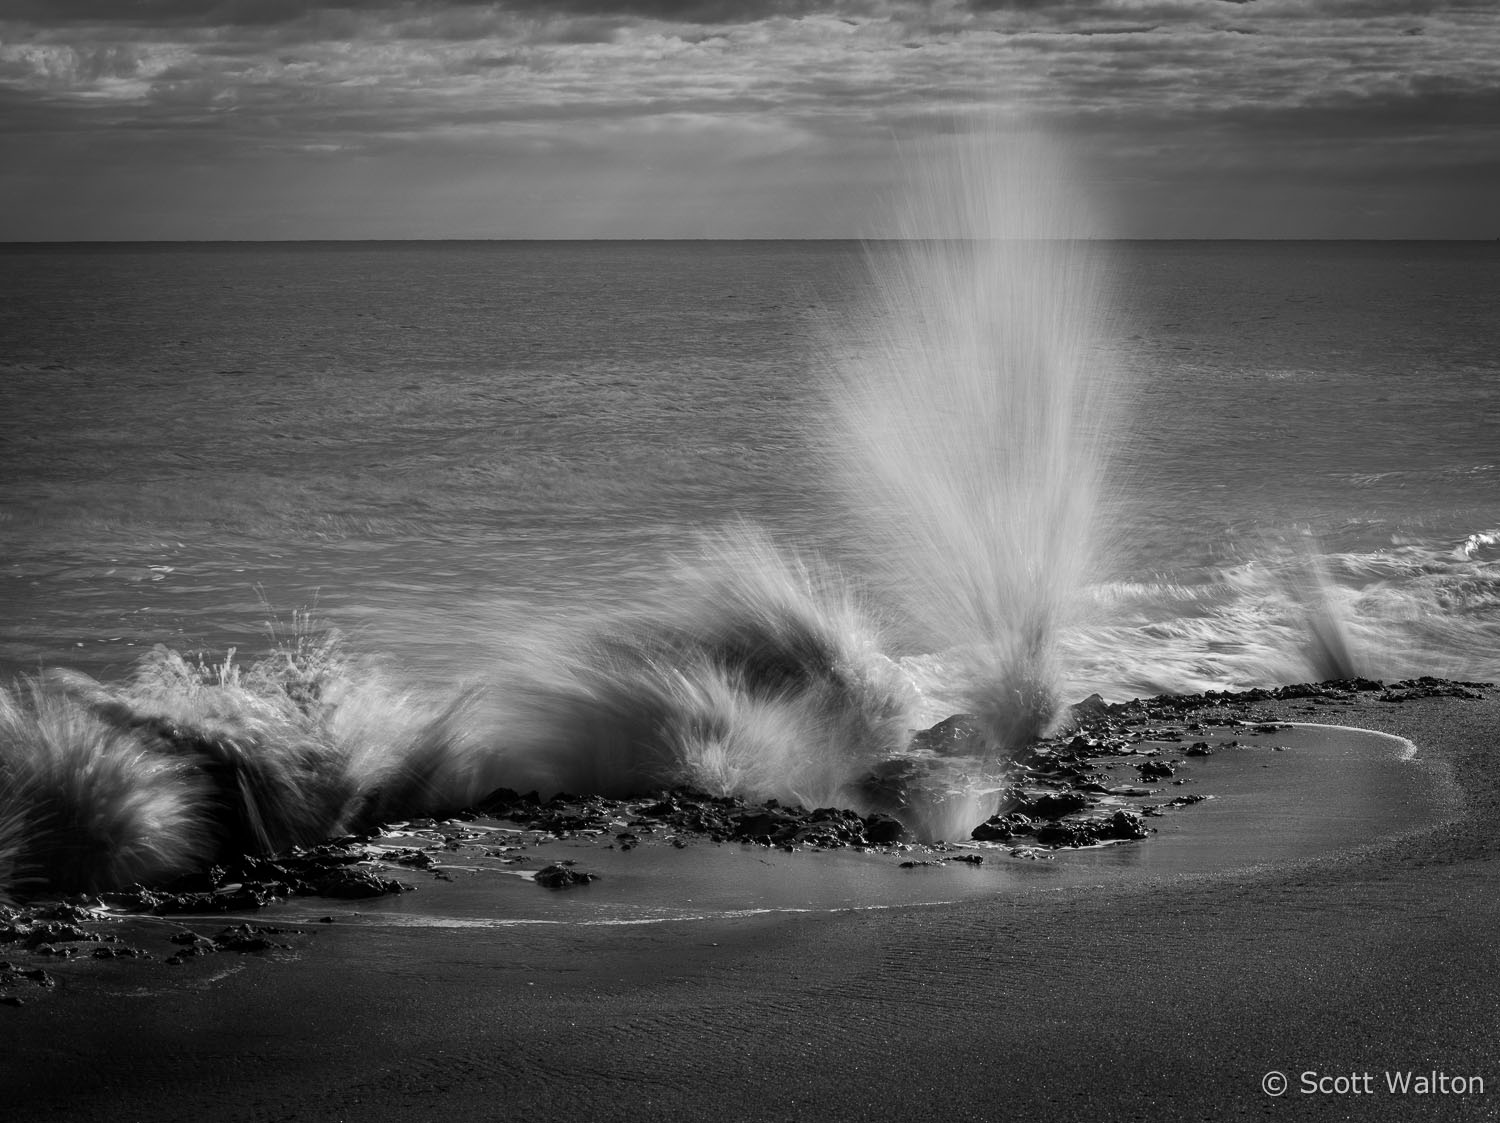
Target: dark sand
<point>1134,1001</point>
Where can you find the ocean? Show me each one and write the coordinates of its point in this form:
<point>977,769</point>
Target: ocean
<point>429,445</point>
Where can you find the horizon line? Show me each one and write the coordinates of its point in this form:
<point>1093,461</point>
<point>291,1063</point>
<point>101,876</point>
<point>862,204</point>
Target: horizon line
<point>45,242</point>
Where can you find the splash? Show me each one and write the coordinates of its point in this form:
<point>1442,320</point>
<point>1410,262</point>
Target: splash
<point>756,673</point>
<point>189,763</point>
<point>973,409</point>
<point>1291,612</point>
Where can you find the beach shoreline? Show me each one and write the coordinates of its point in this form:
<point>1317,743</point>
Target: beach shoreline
<point>1166,1000</point>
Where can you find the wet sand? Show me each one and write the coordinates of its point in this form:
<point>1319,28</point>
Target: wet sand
<point>1166,999</point>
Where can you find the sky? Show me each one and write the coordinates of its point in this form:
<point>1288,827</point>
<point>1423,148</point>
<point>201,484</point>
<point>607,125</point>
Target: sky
<point>252,119</point>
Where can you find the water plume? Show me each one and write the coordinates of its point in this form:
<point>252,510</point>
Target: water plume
<point>972,410</point>
<point>1313,593</point>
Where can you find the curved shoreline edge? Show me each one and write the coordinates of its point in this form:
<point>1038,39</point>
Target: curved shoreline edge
<point>1172,1003</point>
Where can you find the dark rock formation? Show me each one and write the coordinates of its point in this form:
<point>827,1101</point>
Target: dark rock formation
<point>562,876</point>
<point>884,830</point>
<point>1051,805</point>
<point>958,735</point>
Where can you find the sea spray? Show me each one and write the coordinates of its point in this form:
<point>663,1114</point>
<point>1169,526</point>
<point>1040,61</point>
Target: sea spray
<point>756,672</point>
<point>1310,588</point>
<point>972,409</point>
<point>84,803</point>
<point>1277,614</point>
<point>190,762</point>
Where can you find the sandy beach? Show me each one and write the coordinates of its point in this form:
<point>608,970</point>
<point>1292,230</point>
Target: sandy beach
<point>1150,1000</point>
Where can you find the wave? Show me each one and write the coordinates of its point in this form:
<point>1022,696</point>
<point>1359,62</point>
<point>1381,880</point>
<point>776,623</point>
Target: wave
<point>758,674</point>
<point>1481,546</point>
<point>187,763</point>
<point>1291,616</point>
<point>755,673</point>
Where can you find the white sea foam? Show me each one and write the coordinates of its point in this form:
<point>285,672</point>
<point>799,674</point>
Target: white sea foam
<point>1406,610</point>
<point>1483,546</point>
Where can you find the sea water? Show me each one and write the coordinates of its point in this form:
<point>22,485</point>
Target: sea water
<point>431,443</point>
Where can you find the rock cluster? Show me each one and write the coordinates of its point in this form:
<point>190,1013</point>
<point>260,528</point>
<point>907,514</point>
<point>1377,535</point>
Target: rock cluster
<point>235,937</point>
<point>1429,687</point>
<point>1121,826</point>
<point>58,931</point>
<point>684,812</point>
<point>249,882</point>
<point>15,974</point>
<point>1063,791</point>
<point>70,931</point>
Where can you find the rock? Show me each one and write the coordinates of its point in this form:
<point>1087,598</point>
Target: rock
<point>559,876</point>
<point>703,821</point>
<point>1185,800</point>
<point>10,975</point>
<point>569,822</point>
<point>1065,834</point>
<point>762,826</point>
<point>1429,687</point>
<point>1300,690</point>
<point>248,937</point>
<point>813,834</point>
<point>121,953</point>
<point>410,856</point>
<point>499,801</point>
<point>958,735</point>
<point>1155,770</point>
<point>194,944</point>
<point>1053,805</point>
<point>1091,708</point>
<point>1124,826</point>
<point>884,830</point>
<point>889,784</point>
<point>351,884</point>
<point>1002,828</point>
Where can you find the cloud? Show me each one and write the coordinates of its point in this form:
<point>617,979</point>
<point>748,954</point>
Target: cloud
<point>683,11</point>
<point>264,13</point>
<point>1266,84</point>
<point>1074,56</point>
